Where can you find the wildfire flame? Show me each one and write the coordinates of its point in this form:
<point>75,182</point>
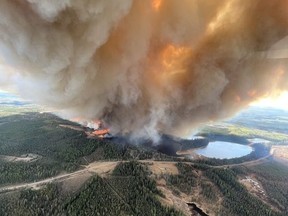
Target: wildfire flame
<point>98,129</point>
<point>101,132</point>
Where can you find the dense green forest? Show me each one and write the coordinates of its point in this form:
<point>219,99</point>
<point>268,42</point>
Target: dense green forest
<point>196,143</point>
<point>185,180</point>
<point>11,173</point>
<point>223,135</point>
<point>274,179</point>
<point>59,148</point>
<point>128,191</point>
<point>41,134</point>
<point>236,200</point>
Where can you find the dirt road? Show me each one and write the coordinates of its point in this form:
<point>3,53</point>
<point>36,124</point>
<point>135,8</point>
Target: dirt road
<point>100,168</point>
<point>104,167</point>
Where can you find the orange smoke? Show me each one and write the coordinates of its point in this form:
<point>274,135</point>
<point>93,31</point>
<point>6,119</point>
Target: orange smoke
<point>144,66</point>
<point>252,93</point>
<point>172,54</point>
<point>156,4</point>
<point>172,57</point>
<point>238,99</point>
<point>169,67</point>
<point>279,74</point>
<point>76,119</point>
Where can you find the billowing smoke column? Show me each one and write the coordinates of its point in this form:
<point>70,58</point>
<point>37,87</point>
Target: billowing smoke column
<point>143,66</point>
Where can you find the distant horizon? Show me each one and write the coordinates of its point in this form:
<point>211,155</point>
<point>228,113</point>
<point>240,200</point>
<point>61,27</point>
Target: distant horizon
<point>279,102</point>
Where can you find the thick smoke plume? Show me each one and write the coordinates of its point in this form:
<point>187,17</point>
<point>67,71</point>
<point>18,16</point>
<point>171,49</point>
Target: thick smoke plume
<point>144,66</point>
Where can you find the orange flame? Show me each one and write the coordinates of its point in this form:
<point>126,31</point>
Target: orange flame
<point>100,132</point>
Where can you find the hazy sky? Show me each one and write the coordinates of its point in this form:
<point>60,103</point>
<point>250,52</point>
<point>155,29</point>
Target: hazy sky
<point>280,101</point>
<point>277,101</point>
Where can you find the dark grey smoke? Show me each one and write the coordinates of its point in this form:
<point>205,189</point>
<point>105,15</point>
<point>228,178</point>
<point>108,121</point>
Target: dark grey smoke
<point>144,66</point>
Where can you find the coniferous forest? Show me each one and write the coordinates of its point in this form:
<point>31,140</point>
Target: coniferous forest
<point>33,147</point>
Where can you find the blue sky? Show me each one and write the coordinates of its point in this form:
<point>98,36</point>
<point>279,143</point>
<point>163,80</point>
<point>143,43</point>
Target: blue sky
<point>11,99</point>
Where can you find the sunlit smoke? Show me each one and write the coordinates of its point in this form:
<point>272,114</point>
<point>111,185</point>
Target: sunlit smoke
<point>144,66</point>
<point>156,4</point>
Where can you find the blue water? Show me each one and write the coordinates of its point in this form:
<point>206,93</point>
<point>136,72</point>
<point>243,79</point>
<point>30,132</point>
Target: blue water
<point>224,150</point>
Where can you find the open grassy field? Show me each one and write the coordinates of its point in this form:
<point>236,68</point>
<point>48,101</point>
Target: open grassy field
<point>7,110</point>
<point>245,132</point>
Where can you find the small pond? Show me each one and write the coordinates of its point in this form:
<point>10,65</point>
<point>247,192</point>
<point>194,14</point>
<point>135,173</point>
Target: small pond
<point>224,150</point>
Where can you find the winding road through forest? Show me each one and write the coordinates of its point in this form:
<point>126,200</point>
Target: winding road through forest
<point>104,167</point>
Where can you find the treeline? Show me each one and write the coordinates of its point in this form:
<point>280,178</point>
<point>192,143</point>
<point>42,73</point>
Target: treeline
<point>208,191</point>
<point>237,200</point>
<point>11,173</point>
<point>60,149</point>
<point>128,191</point>
<point>185,180</point>
<point>196,143</point>
<point>64,148</point>
<point>41,134</point>
<point>273,176</point>
<point>216,183</point>
<point>132,183</point>
<point>46,201</point>
<point>97,198</point>
<point>224,136</point>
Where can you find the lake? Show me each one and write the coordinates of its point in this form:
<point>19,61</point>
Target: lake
<point>224,150</point>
